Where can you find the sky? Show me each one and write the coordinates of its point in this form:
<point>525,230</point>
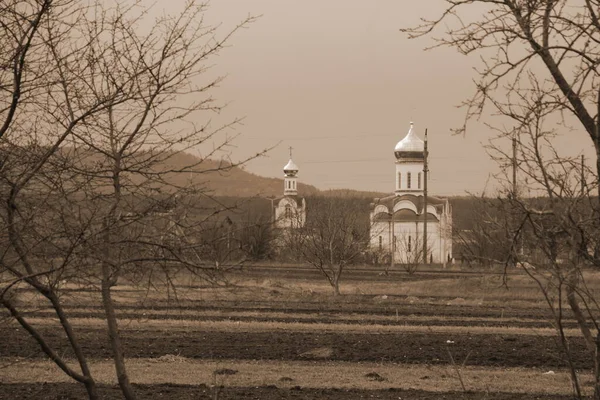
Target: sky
<point>337,81</point>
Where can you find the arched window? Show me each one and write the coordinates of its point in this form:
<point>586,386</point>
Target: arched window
<point>419,180</point>
<point>399,180</point>
<point>288,211</point>
<point>408,180</point>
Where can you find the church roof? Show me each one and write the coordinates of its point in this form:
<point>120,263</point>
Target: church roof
<point>390,201</point>
<point>404,215</point>
<point>410,144</point>
<point>295,197</point>
<point>290,167</point>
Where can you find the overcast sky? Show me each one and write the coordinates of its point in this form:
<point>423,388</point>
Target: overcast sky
<point>338,82</point>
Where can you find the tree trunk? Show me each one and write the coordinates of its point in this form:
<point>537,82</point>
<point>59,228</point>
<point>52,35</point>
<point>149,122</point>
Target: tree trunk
<point>90,384</point>
<point>113,329</point>
<point>597,145</point>
<point>86,378</point>
<point>592,344</point>
<point>335,283</point>
<point>597,369</point>
<point>336,286</point>
<point>571,291</point>
<point>115,339</point>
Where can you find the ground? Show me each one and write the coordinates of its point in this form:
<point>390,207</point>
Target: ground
<point>277,332</point>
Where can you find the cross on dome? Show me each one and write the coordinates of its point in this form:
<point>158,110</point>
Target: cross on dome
<point>290,169</point>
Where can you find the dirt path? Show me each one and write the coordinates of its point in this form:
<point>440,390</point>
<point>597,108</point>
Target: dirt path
<point>310,375</point>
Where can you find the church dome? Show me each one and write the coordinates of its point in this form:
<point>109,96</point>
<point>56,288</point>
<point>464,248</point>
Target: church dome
<point>411,146</point>
<point>290,168</point>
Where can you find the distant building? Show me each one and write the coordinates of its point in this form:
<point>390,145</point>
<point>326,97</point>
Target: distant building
<point>397,221</point>
<point>290,211</point>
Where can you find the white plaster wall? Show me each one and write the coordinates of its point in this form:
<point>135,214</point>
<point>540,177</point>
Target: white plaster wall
<point>414,169</point>
<point>380,229</point>
<point>290,186</point>
<point>437,242</point>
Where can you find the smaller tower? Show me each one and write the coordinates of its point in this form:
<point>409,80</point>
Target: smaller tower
<point>290,211</point>
<point>291,180</point>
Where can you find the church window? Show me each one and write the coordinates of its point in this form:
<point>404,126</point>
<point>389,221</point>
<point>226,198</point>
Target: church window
<point>409,243</point>
<point>419,180</point>
<point>380,243</point>
<point>288,211</point>
<point>399,180</point>
<point>408,180</point>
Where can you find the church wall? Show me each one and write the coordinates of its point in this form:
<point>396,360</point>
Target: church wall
<point>409,235</point>
<point>446,227</point>
<point>294,218</point>
<point>380,240</point>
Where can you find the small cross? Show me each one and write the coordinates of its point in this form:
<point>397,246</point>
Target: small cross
<point>291,148</point>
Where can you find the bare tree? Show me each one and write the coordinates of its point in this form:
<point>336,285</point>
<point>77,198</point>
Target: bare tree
<point>22,62</point>
<point>409,251</point>
<point>94,130</point>
<point>35,89</point>
<point>257,237</point>
<point>519,39</point>
<point>333,238</point>
<point>540,67</point>
<point>485,239</point>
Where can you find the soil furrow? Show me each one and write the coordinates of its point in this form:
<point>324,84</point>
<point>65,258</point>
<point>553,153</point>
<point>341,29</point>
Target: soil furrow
<point>409,347</point>
<point>183,392</point>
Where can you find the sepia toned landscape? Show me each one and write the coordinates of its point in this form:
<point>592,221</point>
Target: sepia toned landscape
<point>261,199</point>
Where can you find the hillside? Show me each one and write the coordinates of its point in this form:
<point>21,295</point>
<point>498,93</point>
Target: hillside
<point>222,180</point>
<point>218,177</point>
<point>236,182</point>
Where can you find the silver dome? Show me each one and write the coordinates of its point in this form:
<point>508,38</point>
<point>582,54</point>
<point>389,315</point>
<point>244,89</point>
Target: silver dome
<point>411,143</point>
<point>290,168</point>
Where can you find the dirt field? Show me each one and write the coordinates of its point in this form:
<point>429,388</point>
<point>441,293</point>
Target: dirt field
<point>279,334</point>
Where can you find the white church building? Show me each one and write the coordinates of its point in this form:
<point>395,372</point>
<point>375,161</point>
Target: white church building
<point>290,211</point>
<point>398,221</point>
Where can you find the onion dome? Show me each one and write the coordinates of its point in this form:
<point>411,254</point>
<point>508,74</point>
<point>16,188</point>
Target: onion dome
<point>411,146</point>
<point>290,168</point>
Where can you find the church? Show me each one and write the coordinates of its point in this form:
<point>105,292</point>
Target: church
<point>397,222</point>
<point>290,211</point>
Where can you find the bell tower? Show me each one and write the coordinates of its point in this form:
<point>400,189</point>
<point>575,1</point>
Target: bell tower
<point>291,179</point>
<point>410,159</point>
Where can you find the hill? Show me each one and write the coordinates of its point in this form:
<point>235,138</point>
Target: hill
<point>223,180</point>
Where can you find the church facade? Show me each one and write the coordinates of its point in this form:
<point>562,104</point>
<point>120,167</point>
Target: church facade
<point>397,222</point>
